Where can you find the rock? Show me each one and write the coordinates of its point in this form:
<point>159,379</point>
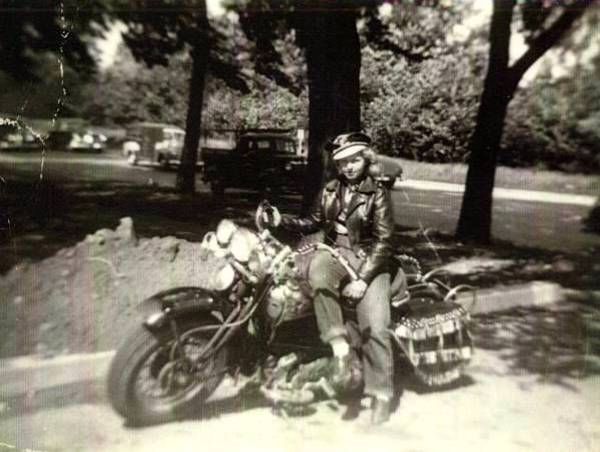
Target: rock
<point>18,300</point>
<point>65,272</point>
<point>126,232</point>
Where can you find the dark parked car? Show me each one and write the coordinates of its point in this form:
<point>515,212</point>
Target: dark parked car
<point>263,161</point>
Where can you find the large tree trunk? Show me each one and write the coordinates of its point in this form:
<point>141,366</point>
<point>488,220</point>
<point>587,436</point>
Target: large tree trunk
<point>501,82</point>
<point>475,220</point>
<point>186,175</point>
<point>333,64</point>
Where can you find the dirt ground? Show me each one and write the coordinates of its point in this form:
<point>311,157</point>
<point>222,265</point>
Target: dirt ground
<point>82,298</point>
<point>532,385</point>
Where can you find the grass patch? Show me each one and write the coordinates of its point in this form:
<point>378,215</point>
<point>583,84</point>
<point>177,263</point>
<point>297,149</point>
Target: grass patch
<point>520,178</point>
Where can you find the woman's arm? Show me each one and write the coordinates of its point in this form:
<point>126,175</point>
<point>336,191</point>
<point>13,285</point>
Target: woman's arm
<point>383,231</point>
<point>309,224</point>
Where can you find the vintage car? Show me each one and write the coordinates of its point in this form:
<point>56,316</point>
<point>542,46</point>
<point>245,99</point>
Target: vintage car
<point>14,138</point>
<point>262,161</point>
<point>76,140</point>
<point>153,143</point>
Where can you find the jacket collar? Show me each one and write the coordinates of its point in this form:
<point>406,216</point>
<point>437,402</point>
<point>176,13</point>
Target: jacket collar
<point>366,186</point>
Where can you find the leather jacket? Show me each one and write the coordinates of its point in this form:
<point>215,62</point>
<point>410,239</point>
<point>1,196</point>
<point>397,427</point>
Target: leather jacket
<point>369,222</point>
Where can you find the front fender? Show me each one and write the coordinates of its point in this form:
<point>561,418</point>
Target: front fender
<point>181,301</point>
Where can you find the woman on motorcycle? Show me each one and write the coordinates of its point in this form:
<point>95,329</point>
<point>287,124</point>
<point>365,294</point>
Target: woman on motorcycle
<point>354,211</point>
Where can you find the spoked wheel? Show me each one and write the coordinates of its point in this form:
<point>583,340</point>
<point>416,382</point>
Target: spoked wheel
<point>152,380</point>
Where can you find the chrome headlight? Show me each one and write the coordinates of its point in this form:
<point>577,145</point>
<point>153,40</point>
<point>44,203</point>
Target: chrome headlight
<point>211,244</point>
<point>224,278</point>
<point>242,244</point>
<point>225,230</point>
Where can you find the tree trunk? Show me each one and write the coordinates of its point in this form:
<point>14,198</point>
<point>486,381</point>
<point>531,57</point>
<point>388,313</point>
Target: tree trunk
<point>186,175</point>
<point>501,82</point>
<point>333,66</point>
<point>475,222</point>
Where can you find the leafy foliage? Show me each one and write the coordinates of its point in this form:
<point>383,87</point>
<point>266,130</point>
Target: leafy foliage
<point>422,112</point>
<point>33,28</point>
<point>130,91</point>
<point>555,123</point>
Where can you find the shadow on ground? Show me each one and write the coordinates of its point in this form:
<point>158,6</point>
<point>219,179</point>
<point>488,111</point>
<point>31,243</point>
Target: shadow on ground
<point>43,217</point>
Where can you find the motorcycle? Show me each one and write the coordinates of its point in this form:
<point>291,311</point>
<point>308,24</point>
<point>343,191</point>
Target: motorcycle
<point>257,319</point>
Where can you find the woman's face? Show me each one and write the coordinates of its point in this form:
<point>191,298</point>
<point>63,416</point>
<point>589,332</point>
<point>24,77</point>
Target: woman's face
<point>353,168</point>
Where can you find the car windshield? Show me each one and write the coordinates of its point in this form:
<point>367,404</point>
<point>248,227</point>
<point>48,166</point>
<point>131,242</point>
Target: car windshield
<point>285,146</point>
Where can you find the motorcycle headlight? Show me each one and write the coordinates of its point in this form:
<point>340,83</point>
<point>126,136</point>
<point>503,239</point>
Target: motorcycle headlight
<point>224,278</point>
<point>211,244</point>
<point>242,244</point>
<point>225,230</point>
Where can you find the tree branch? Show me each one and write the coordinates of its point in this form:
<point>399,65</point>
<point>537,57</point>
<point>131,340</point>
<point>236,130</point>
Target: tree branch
<point>547,40</point>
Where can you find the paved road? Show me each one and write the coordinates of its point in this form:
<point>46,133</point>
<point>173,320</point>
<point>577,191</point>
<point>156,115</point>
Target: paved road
<point>535,224</point>
<point>553,226</point>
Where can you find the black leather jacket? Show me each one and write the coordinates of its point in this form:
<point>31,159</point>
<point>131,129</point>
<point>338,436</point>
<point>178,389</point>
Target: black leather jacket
<point>370,222</point>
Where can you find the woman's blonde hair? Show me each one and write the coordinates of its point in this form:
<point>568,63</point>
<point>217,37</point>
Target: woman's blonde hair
<point>375,168</point>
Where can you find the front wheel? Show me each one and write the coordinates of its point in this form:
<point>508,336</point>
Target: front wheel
<point>132,159</point>
<point>150,381</point>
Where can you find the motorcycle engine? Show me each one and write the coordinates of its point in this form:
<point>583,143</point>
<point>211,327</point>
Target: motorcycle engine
<point>288,300</point>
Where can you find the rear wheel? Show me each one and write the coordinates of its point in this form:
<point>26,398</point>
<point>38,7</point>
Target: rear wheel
<point>150,381</point>
<point>164,162</point>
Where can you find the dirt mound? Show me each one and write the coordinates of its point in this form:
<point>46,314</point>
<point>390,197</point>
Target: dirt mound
<point>82,298</point>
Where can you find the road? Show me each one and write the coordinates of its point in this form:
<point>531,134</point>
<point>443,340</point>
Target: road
<point>535,224</point>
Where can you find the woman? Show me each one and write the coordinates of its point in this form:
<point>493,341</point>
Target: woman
<point>355,213</point>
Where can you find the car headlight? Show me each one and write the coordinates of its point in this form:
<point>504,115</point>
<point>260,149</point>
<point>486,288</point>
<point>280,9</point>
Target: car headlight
<point>242,244</point>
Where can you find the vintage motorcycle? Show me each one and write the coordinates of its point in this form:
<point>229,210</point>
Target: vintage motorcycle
<point>257,319</point>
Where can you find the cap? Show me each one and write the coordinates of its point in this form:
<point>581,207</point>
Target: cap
<point>348,144</point>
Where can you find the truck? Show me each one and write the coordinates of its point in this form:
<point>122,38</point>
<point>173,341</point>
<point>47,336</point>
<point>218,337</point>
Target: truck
<point>150,142</point>
<point>262,160</point>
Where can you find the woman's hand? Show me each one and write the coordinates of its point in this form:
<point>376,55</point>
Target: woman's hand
<point>355,290</point>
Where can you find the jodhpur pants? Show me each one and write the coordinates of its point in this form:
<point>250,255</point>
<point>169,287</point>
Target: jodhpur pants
<point>325,275</point>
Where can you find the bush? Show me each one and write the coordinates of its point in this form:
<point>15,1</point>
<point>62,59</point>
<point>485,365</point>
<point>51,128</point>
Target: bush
<point>422,112</point>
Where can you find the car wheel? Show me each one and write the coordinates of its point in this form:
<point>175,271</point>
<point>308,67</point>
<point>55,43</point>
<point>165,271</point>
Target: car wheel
<point>218,189</point>
<point>132,159</point>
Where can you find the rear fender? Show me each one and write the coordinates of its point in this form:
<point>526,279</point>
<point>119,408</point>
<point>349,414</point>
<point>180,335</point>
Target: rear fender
<point>157,310</point>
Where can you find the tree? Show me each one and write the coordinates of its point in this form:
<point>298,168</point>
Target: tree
<point>156,30</point>
<point>546,24</point>
<point>31,28</point>
<point>327,33</point>
<point>44,51</point>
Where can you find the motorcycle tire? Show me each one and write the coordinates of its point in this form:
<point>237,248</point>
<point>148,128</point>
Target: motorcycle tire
<point>142,358</point>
